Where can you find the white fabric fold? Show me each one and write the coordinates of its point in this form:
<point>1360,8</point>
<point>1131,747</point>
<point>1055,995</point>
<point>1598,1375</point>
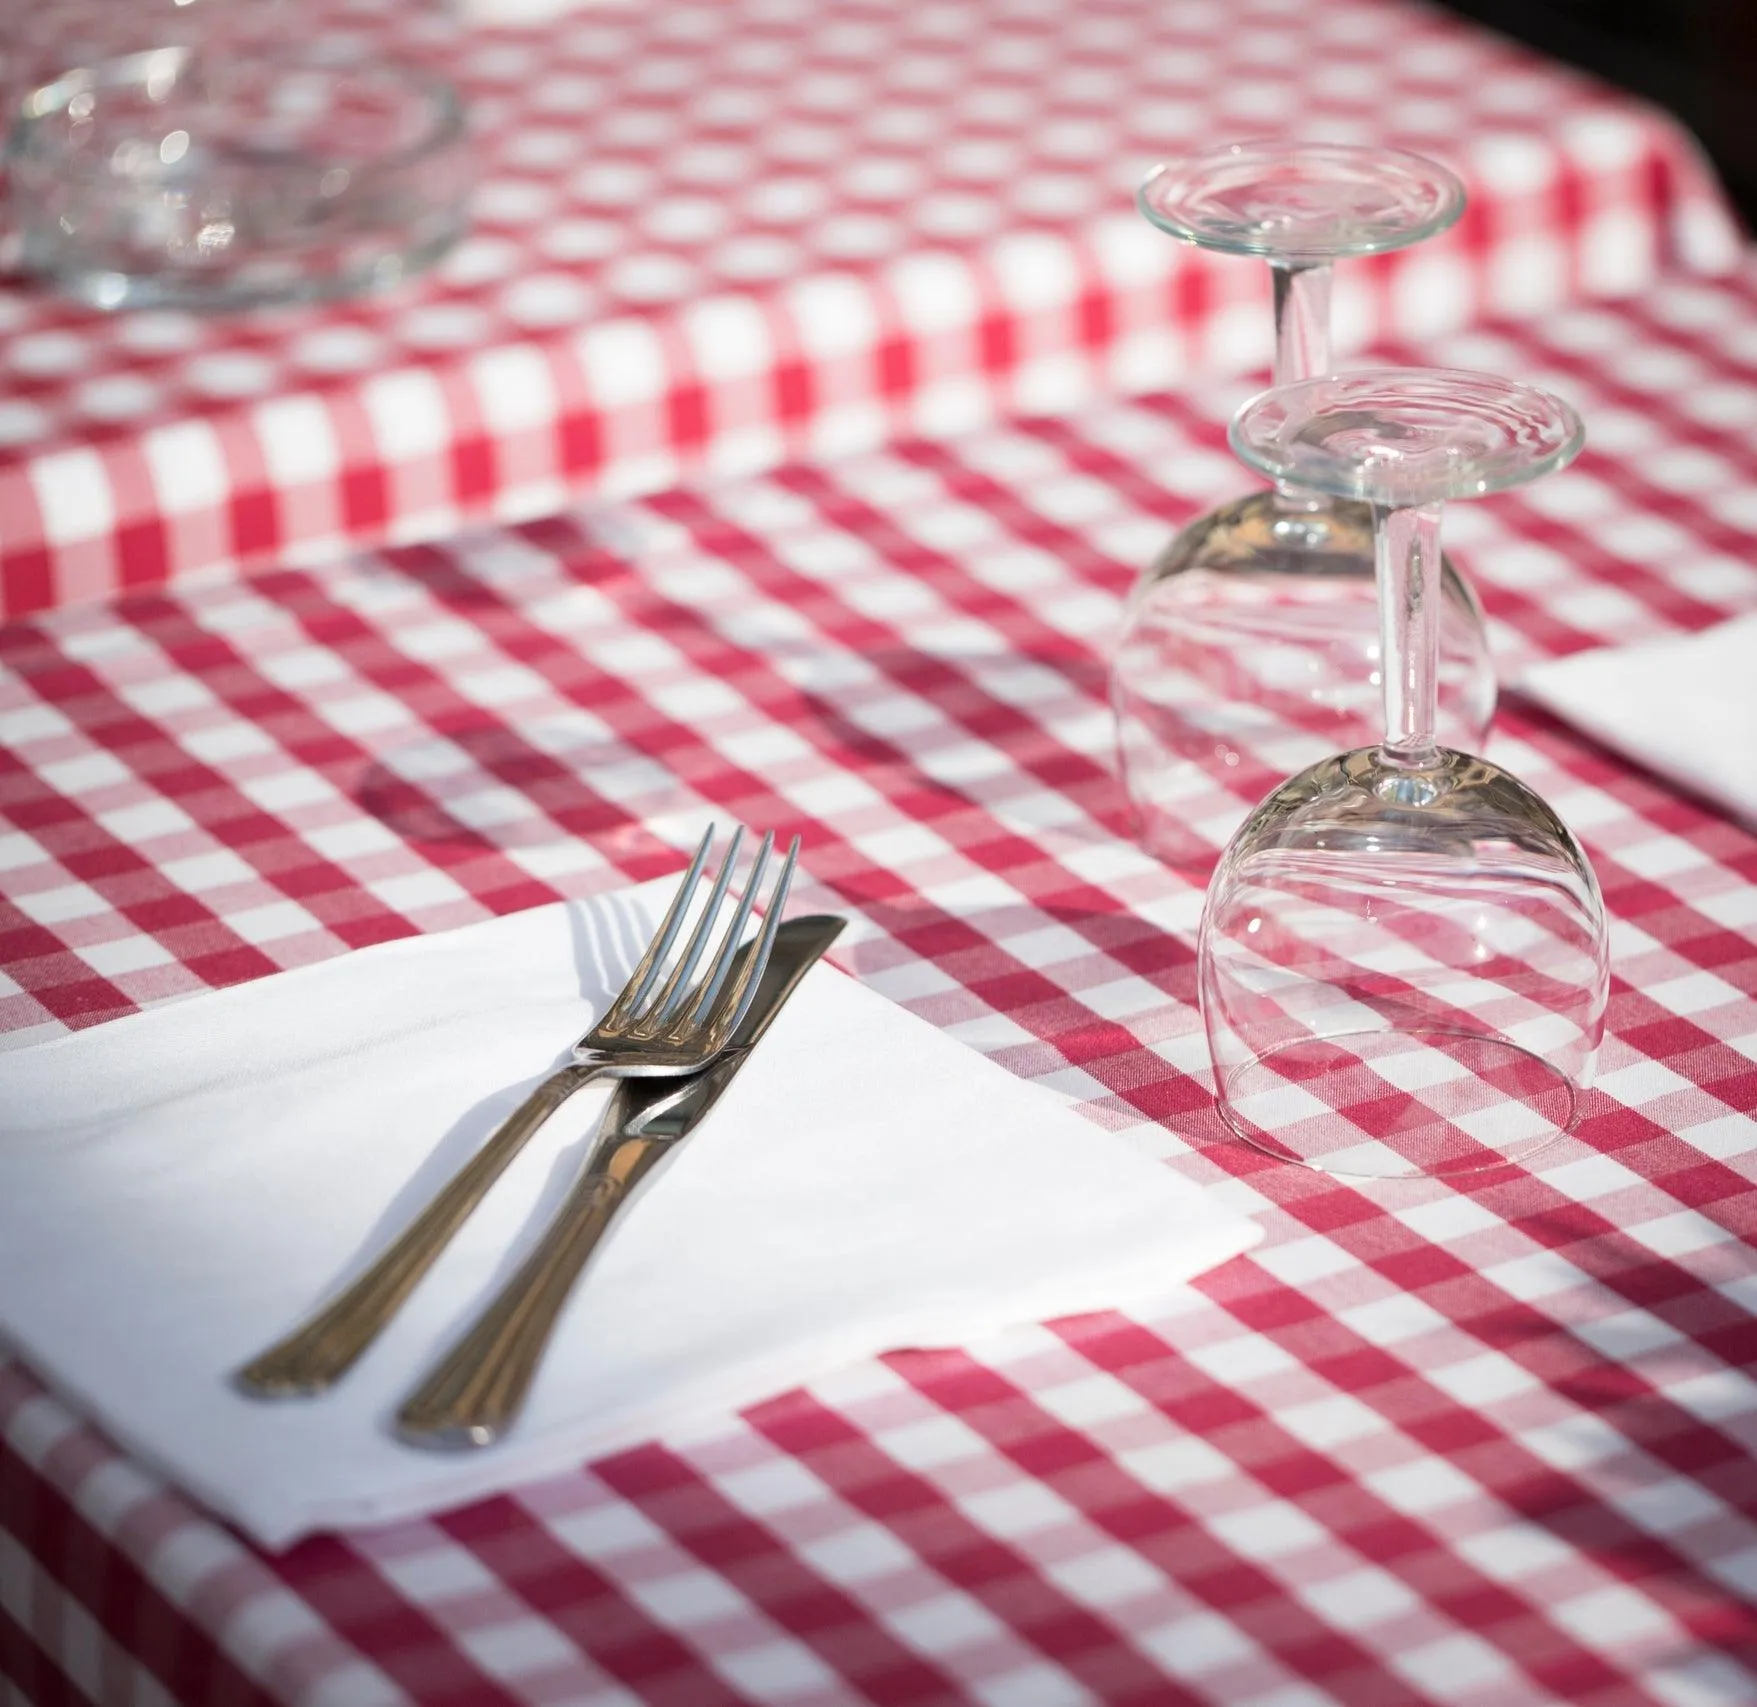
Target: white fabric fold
<point>1685,707</point>
<point>524,14</point>
<point>178,1187</point>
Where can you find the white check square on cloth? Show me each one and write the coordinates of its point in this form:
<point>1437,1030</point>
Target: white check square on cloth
<point>178,1187</point>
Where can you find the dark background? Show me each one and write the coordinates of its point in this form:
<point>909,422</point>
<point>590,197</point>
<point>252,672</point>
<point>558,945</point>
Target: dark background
<point>1698,58</point>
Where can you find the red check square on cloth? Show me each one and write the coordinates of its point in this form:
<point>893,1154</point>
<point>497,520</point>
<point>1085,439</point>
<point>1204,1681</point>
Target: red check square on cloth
<point>1433,1447</point>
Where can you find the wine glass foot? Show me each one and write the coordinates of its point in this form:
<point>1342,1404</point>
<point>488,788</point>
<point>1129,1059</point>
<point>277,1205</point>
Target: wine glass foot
<point>1429,1101</point>
<point>1301,203</point>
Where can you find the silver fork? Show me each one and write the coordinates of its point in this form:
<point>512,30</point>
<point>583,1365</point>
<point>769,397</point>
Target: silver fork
<point>660,1025</point>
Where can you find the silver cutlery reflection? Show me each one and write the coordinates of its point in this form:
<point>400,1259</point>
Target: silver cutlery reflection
<point>477,1389</point>
<point>662,1024</point>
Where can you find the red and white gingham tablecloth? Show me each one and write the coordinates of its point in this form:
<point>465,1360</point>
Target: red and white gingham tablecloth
<point>1484,1447</point>
<point>715,234</point>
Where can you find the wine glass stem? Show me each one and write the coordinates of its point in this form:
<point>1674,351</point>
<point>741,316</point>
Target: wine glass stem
<point>1302,319</point>
<point>1302,346</point>
<point>1406,556</point>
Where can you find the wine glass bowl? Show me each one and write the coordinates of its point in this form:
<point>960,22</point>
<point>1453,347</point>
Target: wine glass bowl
<point>1250,647</point>
<point>1402,969</point>
<point>1403,961</point>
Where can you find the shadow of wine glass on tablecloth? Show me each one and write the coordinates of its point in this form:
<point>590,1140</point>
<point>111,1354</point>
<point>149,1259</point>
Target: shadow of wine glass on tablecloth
<point>1004,757</point>
<point>1095,1001</point>
<point>493,787</point>
<point>1019,735</point>
<point>930,731</point>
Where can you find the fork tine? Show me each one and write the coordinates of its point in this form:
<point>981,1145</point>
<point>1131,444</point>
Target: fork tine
<point>743,993</point>
<point>659,1009</point>
<point>701,998</point>
<point>647,967</point>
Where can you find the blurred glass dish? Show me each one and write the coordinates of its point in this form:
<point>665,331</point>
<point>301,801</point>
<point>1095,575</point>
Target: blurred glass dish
<point>40,39</point>
<point>192,178</point>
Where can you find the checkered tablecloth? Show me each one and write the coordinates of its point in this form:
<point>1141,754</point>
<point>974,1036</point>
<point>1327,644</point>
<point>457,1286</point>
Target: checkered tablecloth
<point>1486,1447</point>
<point>714,235</point>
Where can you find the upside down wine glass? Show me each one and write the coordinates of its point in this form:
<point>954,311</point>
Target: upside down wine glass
<point>1403,962</point>
<point>1250,647</point>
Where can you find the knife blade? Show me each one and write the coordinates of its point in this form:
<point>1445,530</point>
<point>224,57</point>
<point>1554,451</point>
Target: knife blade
<point>476,1390</point>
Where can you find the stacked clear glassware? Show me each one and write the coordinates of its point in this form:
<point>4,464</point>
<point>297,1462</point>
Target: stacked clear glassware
<point>1250,647</point>
<point>1403,962</point>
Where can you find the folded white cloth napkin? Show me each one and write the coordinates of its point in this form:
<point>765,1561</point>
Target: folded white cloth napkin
<point>177,1187</point>
<point>1685,706</point>
<point>518,14</point>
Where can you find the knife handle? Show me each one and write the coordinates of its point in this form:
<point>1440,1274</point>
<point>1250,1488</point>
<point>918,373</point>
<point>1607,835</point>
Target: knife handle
<point>323,1347</point>
<point>476,1391</point>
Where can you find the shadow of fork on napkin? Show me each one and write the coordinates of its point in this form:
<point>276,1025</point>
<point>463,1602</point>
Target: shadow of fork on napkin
<point>609,934</point>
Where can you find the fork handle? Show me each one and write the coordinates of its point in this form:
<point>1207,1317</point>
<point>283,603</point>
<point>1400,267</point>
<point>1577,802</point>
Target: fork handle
<point>476,1391</point>
<point>325,1346</point>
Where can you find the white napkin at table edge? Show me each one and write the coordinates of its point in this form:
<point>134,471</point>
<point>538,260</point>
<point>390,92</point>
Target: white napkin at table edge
<point>177,1187</point>
<point>521,14</point>
<point>1684,706</point>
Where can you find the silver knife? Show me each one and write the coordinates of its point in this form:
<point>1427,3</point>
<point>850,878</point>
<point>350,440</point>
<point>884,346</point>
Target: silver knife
<point>477,1389</point>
